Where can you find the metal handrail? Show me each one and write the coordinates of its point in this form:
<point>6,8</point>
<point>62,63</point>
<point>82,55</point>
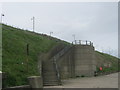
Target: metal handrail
<point>82,42</point>
<point>56,57</point>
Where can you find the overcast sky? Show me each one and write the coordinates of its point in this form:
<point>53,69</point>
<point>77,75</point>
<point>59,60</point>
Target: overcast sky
<point>93,21</point>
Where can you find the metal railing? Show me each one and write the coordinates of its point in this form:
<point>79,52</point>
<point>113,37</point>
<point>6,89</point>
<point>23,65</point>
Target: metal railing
<point>82,42</point>
<point>56,57</point>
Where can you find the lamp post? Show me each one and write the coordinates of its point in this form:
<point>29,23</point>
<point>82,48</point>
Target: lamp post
<point>73,36</point>
<point>51,33</point>
<point>1,17</point>
<point>33,19</point>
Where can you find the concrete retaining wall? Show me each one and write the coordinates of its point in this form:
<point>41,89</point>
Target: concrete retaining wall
<point>75,61</point>
<point>84,60</point>
<point>78,61</point>
<point>66,65</point>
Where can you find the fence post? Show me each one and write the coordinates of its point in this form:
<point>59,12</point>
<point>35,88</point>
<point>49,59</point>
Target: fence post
<point>86,42</point>
<point>80,42</point>
<point>75,42</point>
<point>90,43</point>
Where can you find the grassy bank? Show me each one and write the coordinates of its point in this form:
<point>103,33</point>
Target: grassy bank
<point>16,63</point>
<point>107,62</point>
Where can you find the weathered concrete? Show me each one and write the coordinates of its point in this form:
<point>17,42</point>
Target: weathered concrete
<point>35,82</point>
<point>106,81</point>
<point>84,60</point>
<point>77,61</point>
<point>47,66</point>
<point>71,61</point>
<point>49,73</point>
<point>66,65</point>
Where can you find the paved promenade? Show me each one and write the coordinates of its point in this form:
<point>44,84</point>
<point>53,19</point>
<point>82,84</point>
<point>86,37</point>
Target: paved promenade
<point>106,81</point>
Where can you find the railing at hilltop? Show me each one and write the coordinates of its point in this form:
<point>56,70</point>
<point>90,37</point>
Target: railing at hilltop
<point>82,42</point>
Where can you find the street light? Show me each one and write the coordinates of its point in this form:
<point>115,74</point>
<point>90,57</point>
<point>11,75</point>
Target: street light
<point>51,33</point>
<point>1,17</point>
<point>33,19</point>
<point>73,36</point>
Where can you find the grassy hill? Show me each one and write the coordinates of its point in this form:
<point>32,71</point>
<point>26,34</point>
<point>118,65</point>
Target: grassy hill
<point>108,62</point>
<point>18,65</point>
<point>15,57</point>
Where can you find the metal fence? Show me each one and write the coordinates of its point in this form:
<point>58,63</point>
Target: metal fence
<point>82,42</point>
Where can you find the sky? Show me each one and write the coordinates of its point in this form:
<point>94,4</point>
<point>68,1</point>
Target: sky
<point>92,21</point>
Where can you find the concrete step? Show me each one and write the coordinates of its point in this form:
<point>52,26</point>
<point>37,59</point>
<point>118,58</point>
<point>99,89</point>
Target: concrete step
<point>50,83</point>
<point>49,73</point>
<point>49,79</point>
<point>50,69</point>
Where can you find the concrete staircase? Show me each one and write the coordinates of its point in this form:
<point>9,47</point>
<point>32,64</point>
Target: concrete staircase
<point>49,74</point>
<point>50,69</point>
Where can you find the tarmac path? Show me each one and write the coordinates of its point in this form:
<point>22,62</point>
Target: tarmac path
<point>106,81</point>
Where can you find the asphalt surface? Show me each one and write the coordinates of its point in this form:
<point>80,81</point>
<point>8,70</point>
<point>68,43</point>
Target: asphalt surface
<point>106,81</point>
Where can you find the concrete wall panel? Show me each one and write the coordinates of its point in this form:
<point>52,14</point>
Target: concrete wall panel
<point>84,60</point>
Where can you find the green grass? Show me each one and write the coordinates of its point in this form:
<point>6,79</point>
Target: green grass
<point>14,54</point>
<point>103,58</point>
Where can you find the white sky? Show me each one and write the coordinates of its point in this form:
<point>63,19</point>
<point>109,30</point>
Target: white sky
<point>94,21</point>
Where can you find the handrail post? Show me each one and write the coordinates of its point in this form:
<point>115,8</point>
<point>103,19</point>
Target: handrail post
<point>80,42</point>
<point>56,68</point>
<point>75,42</point>
<point>86,42</point>
<point>72,43</point>
<point>90,43</point>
